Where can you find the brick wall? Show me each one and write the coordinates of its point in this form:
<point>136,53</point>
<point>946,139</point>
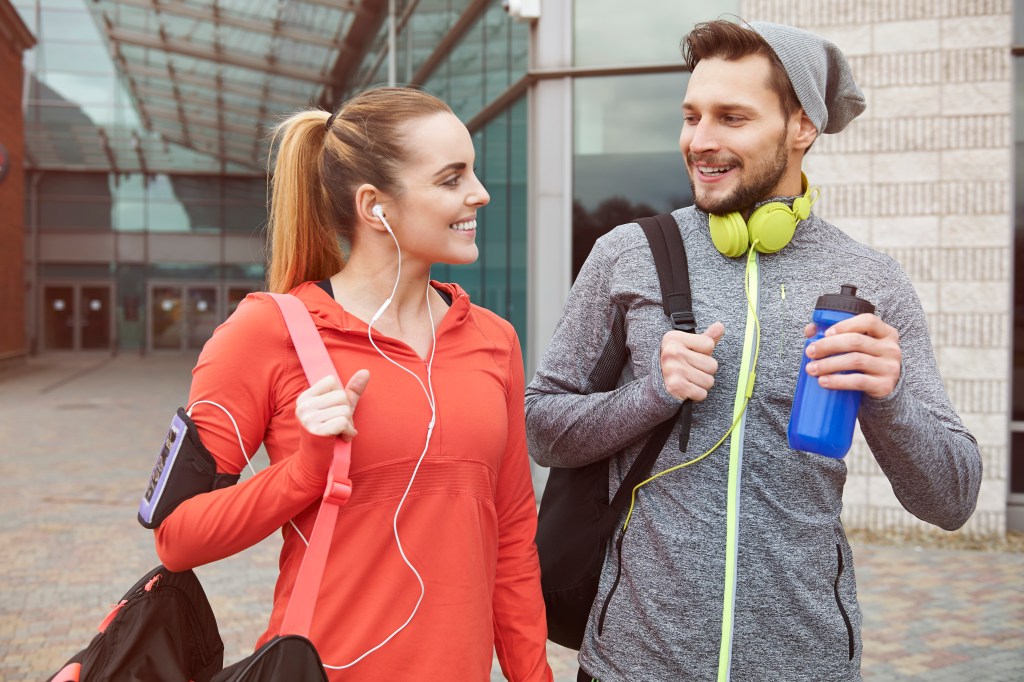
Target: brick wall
<point>925,176</point>
<point>12,203</point>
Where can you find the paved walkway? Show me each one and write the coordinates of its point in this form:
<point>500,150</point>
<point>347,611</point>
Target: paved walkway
<point>78,436</point>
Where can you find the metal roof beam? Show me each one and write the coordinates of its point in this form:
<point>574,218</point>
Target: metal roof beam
<point>198,101</point>
<point>216,15</point>
<point>227,156</point>
<point>179,46</point>
<point>360,35</point>
<point>167,132</point>
<point>105,143</point>
<point>341,5</point>
<point>194,121</point>
<point>252,92</point>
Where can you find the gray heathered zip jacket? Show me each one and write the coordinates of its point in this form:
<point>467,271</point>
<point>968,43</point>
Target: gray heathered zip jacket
<point>795,614</point>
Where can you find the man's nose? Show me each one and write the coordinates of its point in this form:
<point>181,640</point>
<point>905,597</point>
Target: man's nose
<point>703,137</point>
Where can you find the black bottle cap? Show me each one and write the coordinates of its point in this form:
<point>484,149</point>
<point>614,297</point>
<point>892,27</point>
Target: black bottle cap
<point>846,301</point>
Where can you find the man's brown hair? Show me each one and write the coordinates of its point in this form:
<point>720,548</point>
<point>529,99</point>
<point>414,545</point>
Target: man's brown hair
<point>730,41</point>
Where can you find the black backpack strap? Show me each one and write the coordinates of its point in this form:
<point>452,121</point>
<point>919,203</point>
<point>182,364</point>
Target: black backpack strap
<point>674,274</point>
<point>673,271</point>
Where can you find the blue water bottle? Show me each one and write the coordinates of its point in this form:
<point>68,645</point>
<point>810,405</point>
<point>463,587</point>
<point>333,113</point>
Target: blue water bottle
<point>823,419</point>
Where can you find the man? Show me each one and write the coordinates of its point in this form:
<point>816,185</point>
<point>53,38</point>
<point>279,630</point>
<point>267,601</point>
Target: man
<point>737,567</point>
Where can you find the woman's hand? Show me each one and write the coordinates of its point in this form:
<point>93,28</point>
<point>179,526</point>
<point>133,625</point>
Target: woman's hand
<point>325,409</point>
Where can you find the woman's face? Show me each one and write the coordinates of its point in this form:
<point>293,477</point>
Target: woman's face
<point>434,217</point>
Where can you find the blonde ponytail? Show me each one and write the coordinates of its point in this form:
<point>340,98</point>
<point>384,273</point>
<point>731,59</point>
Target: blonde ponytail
<point>318,169</point>
<point>303,242</point>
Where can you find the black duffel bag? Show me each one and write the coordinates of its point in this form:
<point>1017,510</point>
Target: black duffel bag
<point>163,630</point>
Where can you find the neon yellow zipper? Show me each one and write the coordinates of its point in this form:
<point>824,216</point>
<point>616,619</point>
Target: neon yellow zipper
<point>744,390</point>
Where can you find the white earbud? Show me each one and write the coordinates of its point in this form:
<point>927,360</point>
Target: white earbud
<point>378,211</point>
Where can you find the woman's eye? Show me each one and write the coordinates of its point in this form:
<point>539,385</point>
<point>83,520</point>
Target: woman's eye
<point>452,181</point>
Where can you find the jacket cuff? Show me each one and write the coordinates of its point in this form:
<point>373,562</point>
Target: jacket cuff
<point>890,404</point>
<point>656,383</point>
<point>313,459</point>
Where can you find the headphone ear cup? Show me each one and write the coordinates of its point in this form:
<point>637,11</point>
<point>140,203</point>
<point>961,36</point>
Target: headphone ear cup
<point>772,227</point>
<point>729,234</point>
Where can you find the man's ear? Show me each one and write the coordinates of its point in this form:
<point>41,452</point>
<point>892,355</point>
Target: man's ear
<point>805,132</point>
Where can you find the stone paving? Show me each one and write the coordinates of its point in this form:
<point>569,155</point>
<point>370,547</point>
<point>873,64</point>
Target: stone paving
<point>78,435</point>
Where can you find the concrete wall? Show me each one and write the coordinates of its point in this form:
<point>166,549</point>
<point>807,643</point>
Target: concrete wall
<point>925,176</point>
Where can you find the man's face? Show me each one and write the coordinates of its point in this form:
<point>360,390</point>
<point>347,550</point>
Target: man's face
<point>735,138</point>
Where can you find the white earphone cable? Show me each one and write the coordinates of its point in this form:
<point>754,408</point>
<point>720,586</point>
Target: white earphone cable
<point>248,460</point>
<point>428,391</point>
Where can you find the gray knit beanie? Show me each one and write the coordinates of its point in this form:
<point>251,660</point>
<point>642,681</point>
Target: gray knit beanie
<point>819,73</point>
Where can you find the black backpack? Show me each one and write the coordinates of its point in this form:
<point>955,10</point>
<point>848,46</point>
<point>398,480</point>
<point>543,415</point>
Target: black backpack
<point>576,520</point>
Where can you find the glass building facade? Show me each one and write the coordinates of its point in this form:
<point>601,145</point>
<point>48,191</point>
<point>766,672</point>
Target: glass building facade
<point>147,191</point>
<point>135,241</point>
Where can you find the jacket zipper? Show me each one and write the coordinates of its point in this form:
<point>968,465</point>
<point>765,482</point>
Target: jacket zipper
<point>839,602</point>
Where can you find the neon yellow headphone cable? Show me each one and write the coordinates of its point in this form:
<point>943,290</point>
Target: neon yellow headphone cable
<point>746,399</point>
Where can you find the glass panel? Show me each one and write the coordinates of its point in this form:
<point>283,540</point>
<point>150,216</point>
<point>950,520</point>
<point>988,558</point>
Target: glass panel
<point>466,94</point>
<point>493,237</point>
<point>490,56</point>
<point>649,33</point>
<point>95,305</point>
<point>627,160</point>
<point>166,330</point>
<point>131,312</point>
<point>496,52</point>
<point>202,316</point>
<point>58,318</point>
<point>78,57</point>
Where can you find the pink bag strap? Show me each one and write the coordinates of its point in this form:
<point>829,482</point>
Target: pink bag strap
<point>317,364</point>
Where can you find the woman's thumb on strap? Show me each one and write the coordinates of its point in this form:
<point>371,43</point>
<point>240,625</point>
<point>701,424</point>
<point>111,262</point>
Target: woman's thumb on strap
<point>356,385</point>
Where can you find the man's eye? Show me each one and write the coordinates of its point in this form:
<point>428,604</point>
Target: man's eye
<point>732,119</point>
<point>691,120</point>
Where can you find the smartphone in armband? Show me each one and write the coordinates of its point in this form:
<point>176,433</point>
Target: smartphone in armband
<point>184,468</point>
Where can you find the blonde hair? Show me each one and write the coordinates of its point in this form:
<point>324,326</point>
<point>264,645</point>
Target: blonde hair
<point>318,169</point>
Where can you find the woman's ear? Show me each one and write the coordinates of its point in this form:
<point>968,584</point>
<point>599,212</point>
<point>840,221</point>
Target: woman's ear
<point>367,197</point>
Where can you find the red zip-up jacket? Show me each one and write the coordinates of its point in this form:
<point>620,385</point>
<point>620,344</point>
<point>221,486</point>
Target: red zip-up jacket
<point>469,521</point>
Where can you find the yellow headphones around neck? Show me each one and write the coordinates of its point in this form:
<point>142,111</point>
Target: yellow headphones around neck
<point>769,228</point>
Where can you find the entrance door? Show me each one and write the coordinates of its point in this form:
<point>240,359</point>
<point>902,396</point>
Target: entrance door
<point>94,304</point>
<point>183,316</point>
<point>76,317</point>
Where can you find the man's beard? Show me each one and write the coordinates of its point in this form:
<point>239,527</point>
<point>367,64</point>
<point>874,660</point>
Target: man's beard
<point>758,186</point>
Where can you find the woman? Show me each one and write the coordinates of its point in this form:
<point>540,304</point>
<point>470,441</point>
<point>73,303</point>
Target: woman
<point>432,564</point>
